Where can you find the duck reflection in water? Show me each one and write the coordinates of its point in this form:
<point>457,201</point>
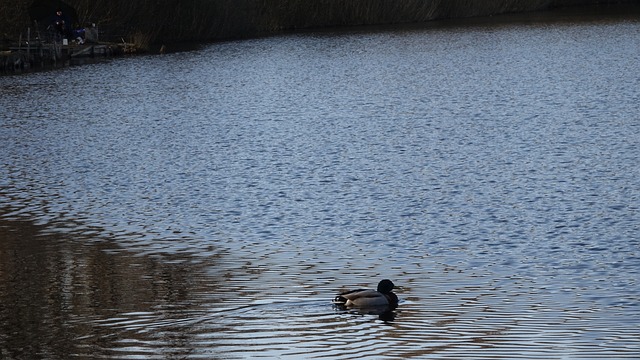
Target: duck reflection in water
<point>380,302</point>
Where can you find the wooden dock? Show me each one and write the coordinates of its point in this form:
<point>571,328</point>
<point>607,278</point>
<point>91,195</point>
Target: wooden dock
<point>23,58</point>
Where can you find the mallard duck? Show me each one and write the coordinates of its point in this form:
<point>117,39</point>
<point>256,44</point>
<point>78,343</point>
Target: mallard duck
<point>367,298</point>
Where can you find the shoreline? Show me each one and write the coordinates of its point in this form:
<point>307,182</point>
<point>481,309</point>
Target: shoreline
<point>25,58</point>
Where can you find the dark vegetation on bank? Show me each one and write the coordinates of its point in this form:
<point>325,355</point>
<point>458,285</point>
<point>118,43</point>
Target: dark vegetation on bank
<point>146,22</point>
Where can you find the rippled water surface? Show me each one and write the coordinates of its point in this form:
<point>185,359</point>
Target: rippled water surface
<point>209,204</point>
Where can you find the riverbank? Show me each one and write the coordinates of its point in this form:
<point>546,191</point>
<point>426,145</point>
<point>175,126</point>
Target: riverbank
<point>231,24</point>
<point>146,22</point>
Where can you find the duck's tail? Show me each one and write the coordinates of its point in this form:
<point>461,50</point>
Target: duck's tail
<point>339,300</point>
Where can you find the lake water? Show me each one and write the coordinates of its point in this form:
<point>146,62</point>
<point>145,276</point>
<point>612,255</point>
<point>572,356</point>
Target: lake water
<point>209,204</point>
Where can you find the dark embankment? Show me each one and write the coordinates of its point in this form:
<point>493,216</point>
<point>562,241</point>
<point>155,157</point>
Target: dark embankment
<point>158,21</point>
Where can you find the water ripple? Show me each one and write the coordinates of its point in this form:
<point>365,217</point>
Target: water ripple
<point>211,203</point>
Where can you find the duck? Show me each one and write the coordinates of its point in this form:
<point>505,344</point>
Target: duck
<point>369,298</point>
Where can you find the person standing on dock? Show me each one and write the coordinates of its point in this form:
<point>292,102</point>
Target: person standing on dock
<point>60,23</point>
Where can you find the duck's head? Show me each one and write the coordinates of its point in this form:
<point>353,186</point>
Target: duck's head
<point>385,286</point>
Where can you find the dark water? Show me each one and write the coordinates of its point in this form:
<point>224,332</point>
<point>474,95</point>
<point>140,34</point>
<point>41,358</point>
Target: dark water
<point>209,204</point>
